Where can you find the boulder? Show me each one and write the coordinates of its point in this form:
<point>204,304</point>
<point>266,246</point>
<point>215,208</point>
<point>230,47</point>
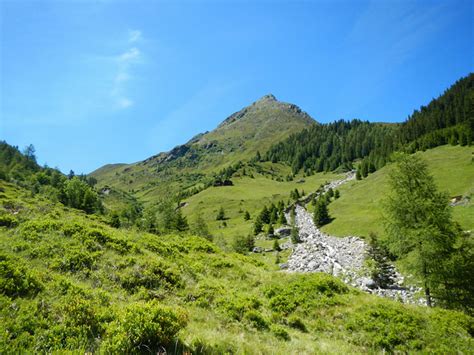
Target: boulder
<point>283,232</point>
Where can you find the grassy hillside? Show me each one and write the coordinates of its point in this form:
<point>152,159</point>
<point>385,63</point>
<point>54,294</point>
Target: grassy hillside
<point>238,138</point>
<point>248,194</point>
<point>68,281</point>
<point>359,210</point>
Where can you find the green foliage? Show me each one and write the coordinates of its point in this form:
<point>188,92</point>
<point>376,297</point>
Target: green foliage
<point>306,291</point>
<point>296,323</point>
<point>151,275</point>
<point>16,280</point>
<point>78,194</point>
<point>321,214</point>
<point>419,225</point>
<point>144,327</point>
<point>386,327</point>
<point>75,260</point>
<point>429,126</point>
<point>239,306</point>
<point>243,244</point>
<point>256,320</point>
<point>257,226</point>
<point>280,332</point>
<point>8,221</point>
<point>200,227</point>
<point>270,230</point>
<point>276,245</point>
<point>221,214</point>
<point>295,234</point>
<point>381,271</point>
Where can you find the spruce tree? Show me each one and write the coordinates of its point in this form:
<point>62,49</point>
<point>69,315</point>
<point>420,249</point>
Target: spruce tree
<point>221,214</point>
<point>321,214</point>
<point>246,215</point>
<point>258,226</point>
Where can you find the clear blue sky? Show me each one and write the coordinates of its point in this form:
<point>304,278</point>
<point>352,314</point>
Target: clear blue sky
<point>96,82</point>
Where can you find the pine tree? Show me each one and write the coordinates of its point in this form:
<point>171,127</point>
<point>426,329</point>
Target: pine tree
<point>337,194</point>
<point>200,227</point>
<point>276,245</point>
<point>246,215</point>
<point>282,219</point>
<point>358,173</point>
<point>180,222</point>
<point>221,214</point>
<point>321,214</point>
<point>383,272</point>
<point>265,215</point>
<point>258,226</point>
<point>295,238</point>
<point>270,230</point>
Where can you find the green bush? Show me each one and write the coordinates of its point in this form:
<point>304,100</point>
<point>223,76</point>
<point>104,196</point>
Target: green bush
<point>151,275</point>
<point>386,326</point>
<point>296,323</point>
<point>16,280</point>
<point>8,221</point>
<point>256,319</point>
<point>305,291</point>
<point>236,307</point>
<point>280,332</point>
<point>143,327</point>
<point>74,260</point>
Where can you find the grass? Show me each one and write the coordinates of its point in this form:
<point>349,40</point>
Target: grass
<point>93,288</point>
<point>359,209</point>
<point>247,194</point>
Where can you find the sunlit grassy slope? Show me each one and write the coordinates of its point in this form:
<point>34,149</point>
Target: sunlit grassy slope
<point>70,282</point>
<point>359,209</point>
<point>247,194</point>
<point>238,138</point>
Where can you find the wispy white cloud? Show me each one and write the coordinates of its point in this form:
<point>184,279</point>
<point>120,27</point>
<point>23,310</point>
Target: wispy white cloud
<point>134,36</point>
<point>124,63</point>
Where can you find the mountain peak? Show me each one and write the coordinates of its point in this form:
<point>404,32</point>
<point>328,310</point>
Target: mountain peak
<point>268,98</point>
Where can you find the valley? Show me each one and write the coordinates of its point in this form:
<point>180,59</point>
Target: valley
<point>272,233</point>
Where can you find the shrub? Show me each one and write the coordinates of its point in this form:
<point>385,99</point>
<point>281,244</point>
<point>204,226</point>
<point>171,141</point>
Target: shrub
<point>143,327</point>
<point>74,260</point>
<point>297,323</point>
<point>280,332</point>
<point>8,221</point>
<point>151,275</point>
<point>304,291</point>
<point>16,281</point>
<point>256,319</point>
<point>386,326</point>
<point>236,307</point>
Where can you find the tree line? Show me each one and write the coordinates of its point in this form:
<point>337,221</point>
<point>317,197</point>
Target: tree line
<point>327,147</point>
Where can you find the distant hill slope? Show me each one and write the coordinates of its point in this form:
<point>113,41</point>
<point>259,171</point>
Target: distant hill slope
<point>239,137</point>
<point>359,210</point>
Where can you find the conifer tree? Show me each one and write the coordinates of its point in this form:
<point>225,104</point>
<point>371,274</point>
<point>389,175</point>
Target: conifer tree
<point>321,214</point>
<point>221,214</point>
<point>246,215</point>
<point>418,222</point>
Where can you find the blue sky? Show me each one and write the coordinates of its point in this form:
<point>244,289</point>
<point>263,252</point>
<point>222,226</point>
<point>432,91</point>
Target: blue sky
<point>96,82</point>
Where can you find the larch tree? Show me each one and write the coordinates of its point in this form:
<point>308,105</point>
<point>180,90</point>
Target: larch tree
<point>418,223</point>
